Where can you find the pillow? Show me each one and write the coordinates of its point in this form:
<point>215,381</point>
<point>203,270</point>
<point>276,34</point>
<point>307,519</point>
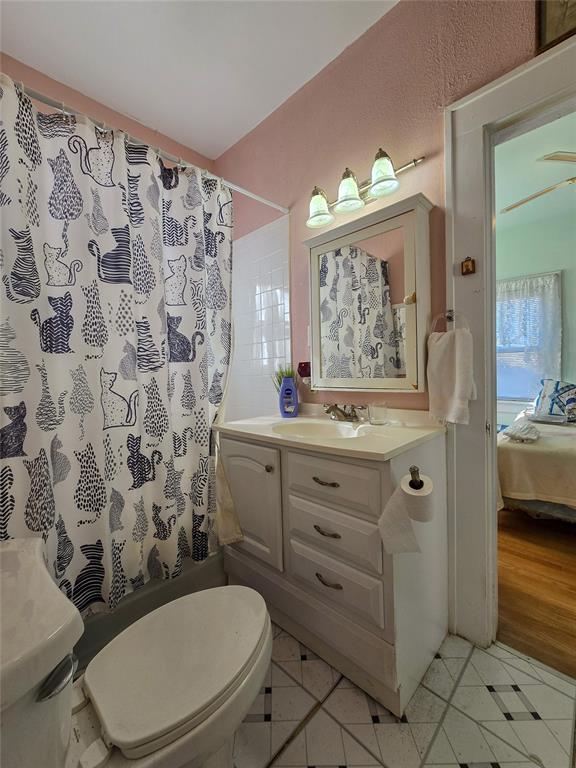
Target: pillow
<point>571,409</point>
<point>554,397</point>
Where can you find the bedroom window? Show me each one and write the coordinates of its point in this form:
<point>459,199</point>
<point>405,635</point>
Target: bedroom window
<point>528,334</point>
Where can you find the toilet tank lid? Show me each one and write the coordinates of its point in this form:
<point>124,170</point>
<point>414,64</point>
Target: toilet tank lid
<point>38,624</point>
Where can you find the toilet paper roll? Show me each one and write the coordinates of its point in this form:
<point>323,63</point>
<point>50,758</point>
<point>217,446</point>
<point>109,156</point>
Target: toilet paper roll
<point>395,526</point>
<point>418,502</point>
<point>405,504</point>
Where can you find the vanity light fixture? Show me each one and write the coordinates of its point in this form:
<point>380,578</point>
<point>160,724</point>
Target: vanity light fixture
<point>319,214</point>
<point>384,181</point>
<point>348,195</point>
<point>352,196</point>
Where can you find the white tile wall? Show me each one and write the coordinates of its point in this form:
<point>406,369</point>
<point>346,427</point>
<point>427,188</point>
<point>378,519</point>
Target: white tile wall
<point>261,320</point>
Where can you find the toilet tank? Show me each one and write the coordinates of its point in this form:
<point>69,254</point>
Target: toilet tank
<point>38,629</point>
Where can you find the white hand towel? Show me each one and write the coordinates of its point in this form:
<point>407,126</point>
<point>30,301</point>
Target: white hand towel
<point>227,526</point>
<point>451,375</point>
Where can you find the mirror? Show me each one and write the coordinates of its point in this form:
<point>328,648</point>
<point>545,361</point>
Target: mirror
<point>367,309</point>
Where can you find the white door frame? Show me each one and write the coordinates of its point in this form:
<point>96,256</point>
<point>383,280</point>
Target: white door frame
<point>470,125</point>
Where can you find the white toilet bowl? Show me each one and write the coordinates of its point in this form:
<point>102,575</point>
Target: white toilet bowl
<point>168,692</point>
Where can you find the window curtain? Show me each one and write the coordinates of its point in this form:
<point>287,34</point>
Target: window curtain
<point>528,333</point>
<point>115,342</point>
<point>359,337</point>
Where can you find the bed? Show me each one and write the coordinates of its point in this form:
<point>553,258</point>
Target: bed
<point>540,478</point>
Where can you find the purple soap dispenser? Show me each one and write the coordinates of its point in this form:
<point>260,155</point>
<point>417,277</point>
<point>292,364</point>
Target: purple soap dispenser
<point>288,398</point>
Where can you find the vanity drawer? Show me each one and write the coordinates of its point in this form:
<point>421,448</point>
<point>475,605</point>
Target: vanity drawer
<point>345,536</point>
<point>351,485</point>
<point>341,584</point>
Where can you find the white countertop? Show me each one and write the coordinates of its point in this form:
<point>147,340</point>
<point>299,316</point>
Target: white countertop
<point>406,430</point>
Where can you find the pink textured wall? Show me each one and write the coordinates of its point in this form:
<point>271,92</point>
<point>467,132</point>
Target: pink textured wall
<point>36,81</point>
<point>387,89</point>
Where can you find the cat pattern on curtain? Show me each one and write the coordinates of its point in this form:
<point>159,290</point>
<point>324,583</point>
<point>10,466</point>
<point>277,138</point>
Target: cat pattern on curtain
<point>48,414</point>
<point>97,221</point>
<point>120,268</point>
<point>55,331</point>
<point>65,201</point>
<point>94,328</point>
<point>27,197</point>
<point>14,371</point>
<point>13,434</point>
<point>60,463</point>
<point>355,311</point>
<point>55,125</point>
<point>114,266</point>
<point>87,589</point>
<point>59,273</point>
<point>22,283</point>
<point>97,161</point>
<point>64,549</point>
<point>7,502</point>
<point>116,509</point>
<point>5,199</point>
<point>25,130</point>
<point>40,508</point>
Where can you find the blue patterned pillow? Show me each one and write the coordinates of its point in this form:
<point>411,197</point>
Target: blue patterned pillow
<point>554,397</point>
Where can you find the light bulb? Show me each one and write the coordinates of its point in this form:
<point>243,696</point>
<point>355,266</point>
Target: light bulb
<point>384,181</point>
<point>348,196</point>
<point>319,214</point>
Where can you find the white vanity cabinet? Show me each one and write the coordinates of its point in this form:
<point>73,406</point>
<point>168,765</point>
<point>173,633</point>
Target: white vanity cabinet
<point>254,476</point>
<point>313,550</point>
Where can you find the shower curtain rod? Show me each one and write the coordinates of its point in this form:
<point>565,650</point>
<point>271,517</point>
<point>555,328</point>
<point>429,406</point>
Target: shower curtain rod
<point>61,107</point>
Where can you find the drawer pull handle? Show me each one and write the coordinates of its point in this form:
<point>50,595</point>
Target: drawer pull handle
<point>325,483</point>
<point>329,535</point>
<point>269,468</point>
<point>330,584</point>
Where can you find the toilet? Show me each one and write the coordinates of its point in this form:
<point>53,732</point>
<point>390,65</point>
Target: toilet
<point>168,692</point>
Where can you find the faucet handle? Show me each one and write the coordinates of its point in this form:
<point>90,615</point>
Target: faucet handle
<point>361,411</point>
<point>351,411</point>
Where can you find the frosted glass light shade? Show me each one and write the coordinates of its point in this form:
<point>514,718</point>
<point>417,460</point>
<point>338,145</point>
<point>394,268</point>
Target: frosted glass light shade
<point>348,196</point>
<point>384,181</point>
<point>319,212</point>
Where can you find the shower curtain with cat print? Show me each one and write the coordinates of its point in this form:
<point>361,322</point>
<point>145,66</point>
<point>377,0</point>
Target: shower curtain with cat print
<point>115,345</point>
<point>360,331</point>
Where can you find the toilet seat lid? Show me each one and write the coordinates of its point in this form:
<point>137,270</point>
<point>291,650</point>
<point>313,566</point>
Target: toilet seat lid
<point>172,668</point>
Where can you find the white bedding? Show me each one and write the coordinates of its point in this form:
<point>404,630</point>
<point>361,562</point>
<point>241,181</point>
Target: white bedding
<point>544,470</point>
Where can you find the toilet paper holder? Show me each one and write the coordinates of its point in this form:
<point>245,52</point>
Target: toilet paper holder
<point>415,480</point>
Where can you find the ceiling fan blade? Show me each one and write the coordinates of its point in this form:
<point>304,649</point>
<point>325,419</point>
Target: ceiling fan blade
<point>561,156</point>
<point>545,191</point>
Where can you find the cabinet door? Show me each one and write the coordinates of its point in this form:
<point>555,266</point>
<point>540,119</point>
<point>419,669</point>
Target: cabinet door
<point>254,475</point>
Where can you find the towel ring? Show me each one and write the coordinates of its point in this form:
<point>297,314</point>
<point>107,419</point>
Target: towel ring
<point>451,315</point>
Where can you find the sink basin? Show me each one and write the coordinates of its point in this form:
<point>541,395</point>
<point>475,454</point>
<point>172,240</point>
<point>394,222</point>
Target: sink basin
<point>331,430</point>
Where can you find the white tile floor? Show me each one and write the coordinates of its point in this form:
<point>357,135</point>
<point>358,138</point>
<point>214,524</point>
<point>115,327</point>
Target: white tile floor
<point>474,709</point>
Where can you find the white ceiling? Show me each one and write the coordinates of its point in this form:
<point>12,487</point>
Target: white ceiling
<point>203,73</point>
<point>520,172</point>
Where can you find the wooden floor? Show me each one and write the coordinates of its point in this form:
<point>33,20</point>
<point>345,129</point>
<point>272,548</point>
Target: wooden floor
<point>537,588</point>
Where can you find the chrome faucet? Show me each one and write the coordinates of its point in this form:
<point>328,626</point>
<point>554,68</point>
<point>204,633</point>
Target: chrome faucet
<point>343,412</point>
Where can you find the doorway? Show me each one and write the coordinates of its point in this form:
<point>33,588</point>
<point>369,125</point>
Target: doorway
<point>524,95</point>
<point>535,345</point>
